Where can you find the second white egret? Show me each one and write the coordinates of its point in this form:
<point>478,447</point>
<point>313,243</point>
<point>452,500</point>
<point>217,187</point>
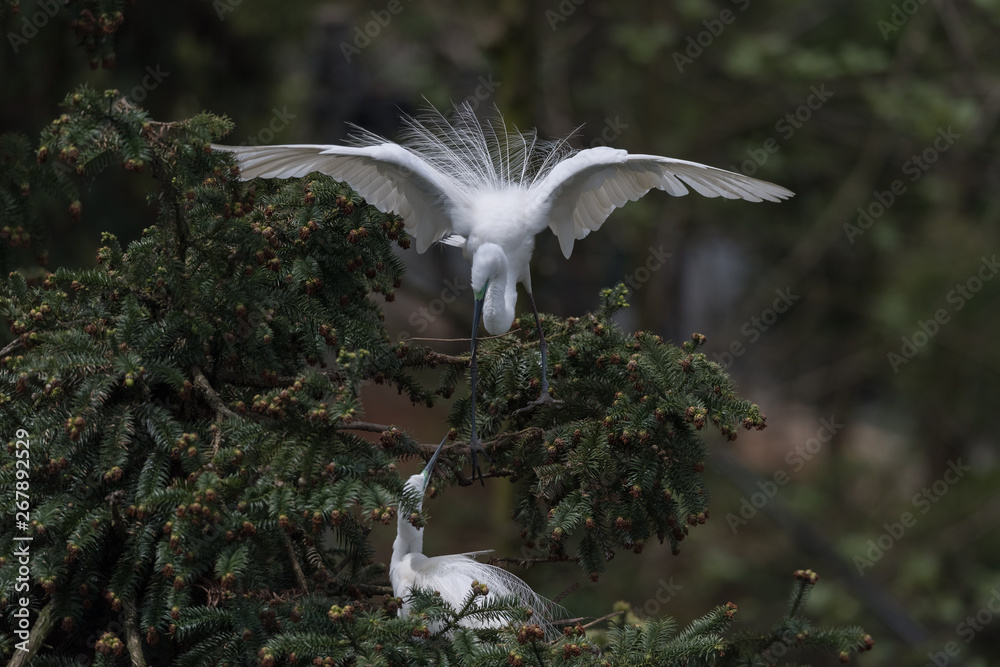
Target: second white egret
<point>453,575</point>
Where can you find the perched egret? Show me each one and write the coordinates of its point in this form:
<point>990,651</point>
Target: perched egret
<point>452,576</point>
<point>489,191</point>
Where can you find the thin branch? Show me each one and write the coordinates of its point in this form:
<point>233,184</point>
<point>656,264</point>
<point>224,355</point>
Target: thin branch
<point>10,347</point>
<point>433,357</point>
<point>570,621</point>
<point>523,562</point>
<point>461,340</point>
<point>300,576</point>
<point>369,590</point>
<point>365,426</point>
<point>39,631</point>
<point>213,398</point>
<point>133,640</point>
<point>566,593</point>
<point>273,382</point>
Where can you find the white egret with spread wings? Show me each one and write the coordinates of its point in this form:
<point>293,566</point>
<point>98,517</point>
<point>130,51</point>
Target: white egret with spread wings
<point>489,190</point>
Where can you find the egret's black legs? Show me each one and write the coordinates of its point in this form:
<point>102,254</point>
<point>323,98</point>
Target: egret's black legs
<point>475,446</point>
<point>544,398</point>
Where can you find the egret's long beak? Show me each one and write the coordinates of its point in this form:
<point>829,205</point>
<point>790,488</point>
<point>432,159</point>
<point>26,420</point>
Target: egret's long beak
<point>474,446</point>
<point>429,468</point>
<point>478,314</point>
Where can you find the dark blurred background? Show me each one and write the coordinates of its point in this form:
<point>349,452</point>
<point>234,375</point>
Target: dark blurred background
<point>861,315</point>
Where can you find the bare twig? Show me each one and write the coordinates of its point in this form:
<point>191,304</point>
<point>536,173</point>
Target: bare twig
<point>439,358</point>
<point>213,398</point>
<point>571,621</point>
<point>523,562</point>
<point>10,347</point>
<point>365,426</point>
<point>133,640</point>
<point>300,576</point>
<point>369,590</point>
<point>566,593</point>
<point>39,631</point>
<point>461,340</point>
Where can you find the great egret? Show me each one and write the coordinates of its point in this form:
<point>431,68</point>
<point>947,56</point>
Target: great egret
<point>452,576</point>
<point>489,191</point>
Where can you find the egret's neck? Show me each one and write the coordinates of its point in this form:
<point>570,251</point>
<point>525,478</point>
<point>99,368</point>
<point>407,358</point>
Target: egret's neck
<point>490,270</point>
<point>409,539</point>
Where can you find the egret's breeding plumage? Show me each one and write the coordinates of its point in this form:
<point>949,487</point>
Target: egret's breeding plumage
<point>452,576</point>
<point>489,191</point>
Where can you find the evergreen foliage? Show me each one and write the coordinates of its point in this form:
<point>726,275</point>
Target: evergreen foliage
<point>200,493</point>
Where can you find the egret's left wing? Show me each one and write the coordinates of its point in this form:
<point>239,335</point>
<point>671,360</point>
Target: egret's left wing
<point>582,190</point>
<point>388,176</point>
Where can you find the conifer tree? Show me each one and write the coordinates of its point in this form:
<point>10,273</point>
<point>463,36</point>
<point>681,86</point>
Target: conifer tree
<point>199,492</point>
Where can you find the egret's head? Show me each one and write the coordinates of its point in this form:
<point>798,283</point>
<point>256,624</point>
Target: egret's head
<point>418,483</point>
<point>493,288</point>
<point>489,265</point>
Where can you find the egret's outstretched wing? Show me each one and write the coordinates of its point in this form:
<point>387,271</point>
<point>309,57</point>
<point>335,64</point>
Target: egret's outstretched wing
<point>581,191</point>
<point>388,176</point>
<point>452,576</point>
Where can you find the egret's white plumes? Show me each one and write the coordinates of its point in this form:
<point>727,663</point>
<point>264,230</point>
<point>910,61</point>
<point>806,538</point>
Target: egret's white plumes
<point>481,186</point>
<point>481,156</point>
<point>452,575</point>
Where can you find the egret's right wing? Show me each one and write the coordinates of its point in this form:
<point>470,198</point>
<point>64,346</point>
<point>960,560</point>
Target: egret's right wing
<point>581,191</point>
<point>388,176</point>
